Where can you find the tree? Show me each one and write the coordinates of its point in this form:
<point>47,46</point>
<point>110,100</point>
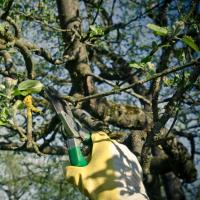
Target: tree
<point>128,67</point>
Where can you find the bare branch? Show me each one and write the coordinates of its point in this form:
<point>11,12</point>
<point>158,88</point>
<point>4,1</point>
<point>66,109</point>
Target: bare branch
<point>128,92</point>
<point>7,9</point>
<point>117,90</point>
<point>51,150</point>
<point>27,58</point>
<point>7,59</point>
<point>154,134</point>
<point>12,22</point>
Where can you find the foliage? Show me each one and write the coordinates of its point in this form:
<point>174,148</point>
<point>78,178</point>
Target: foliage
<point>190,42</point>
<point>30,87</point>
<point>158,30</point>
<point>24,178</point>
<point>132,66</point>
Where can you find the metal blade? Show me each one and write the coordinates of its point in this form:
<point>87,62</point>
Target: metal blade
<point>63,110</point>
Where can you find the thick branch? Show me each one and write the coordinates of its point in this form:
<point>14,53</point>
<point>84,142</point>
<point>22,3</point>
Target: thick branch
<point>19,147</point>
<point>172,157</point>
<point>123,116</point>
<point>27,58</point>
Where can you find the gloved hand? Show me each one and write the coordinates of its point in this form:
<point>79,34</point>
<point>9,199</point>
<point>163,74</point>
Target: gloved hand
<point>113,172</point>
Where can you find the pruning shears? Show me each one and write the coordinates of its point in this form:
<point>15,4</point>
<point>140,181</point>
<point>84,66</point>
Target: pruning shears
<point>71,132</point>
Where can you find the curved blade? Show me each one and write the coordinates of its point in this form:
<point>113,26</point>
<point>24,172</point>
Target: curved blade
<point>63,110</point>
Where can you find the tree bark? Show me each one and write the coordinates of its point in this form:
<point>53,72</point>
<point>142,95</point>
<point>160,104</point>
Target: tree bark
<point>173,188</point>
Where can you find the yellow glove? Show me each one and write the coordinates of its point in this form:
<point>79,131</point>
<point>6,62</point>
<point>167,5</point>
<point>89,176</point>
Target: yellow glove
<point>113,172</point>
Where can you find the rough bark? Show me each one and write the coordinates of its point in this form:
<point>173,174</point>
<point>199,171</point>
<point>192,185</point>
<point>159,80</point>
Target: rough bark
<point>171,156</point>
<point>147,126</point>
<point>78,66</point>
<point>173,188</point>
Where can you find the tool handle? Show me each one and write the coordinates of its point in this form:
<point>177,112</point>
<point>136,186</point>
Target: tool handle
<point>75,155</point>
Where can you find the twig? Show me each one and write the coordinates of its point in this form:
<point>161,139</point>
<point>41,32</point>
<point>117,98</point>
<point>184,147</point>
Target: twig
<point>30,108</point>
<point>117,90</point>
<point>23,137</point>
<point>97,13</point>
<point>28,103</point>
<point>28,16</point>
<point>128,92</point>
<point>174,121</point>
<point>112,9</point>
<point>45,53</point>
<point>153,135</point>
<point>6,13</point>
<point>7,59</point>
<point>12,22</point>
<point>144,13</point>
<point>89,121</point>
<point>51,150</point>
<point>191,138</point>
<point>27,58</point>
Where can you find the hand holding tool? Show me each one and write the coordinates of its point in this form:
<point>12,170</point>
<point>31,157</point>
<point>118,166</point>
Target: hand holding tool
<point>64,113</point>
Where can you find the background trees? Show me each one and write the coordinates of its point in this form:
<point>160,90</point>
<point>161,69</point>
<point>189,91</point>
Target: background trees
<point>130,67</point>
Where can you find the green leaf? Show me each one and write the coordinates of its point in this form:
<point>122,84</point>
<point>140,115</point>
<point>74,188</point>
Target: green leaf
<point>2,87</point>
<point>26,92</point>
<point>2,123</point>
<point>158,30</point>
<point>30,86</point>
<point>164,45</point>
<point>146,59</point>
<point>3,95</point>
<point>177,27</point>
<point>150,66</point>
<point>167,81</point>
<point>3,116</point>
<point>18,105</point>
<point>16,92</point>
<point>190,42</point>
<point>1,28</point>
<point>137,65</point>
<point>96,30</point>
<point>93,28</point>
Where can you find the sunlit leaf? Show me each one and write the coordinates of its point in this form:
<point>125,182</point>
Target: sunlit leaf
<point>190,42</point>
<point>2,123</point>
<point>137,65</point>
<point>30,86</point>
<point>96,30</point>
<point>158,30</point>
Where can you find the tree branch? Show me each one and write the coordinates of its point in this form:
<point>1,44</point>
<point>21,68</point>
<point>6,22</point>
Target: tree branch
<point>118,90</point>
<point>51,150</point>
<point>7,9</point>
<point>27,58</point>
<point>154,134</point>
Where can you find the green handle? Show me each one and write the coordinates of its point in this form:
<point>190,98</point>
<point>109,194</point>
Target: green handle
<point>76,157</point>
